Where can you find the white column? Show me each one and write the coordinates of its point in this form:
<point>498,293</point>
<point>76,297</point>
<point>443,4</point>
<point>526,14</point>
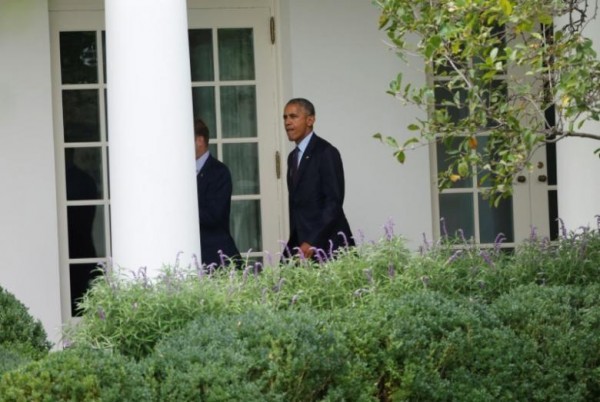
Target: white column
<point>579,168</point>
<point>154,209</point>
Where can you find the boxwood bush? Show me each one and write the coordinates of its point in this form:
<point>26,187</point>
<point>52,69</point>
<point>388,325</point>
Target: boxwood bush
<point>77,374</point>
<point>258,355</point>
<point>18,329</point>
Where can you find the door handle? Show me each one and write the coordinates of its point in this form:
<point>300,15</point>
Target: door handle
<point>521,179</point>
<point>542,178</point>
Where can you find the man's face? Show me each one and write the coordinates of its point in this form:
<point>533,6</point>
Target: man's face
<point>201,146</point>
<point>298,124</point>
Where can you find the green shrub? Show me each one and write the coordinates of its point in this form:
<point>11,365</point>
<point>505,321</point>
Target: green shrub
<point>426,346</point>
<point>19,330</point>
<point>11,358</point>
<point>76,375</point>
<point>563,322</point>
<point>256,356</point>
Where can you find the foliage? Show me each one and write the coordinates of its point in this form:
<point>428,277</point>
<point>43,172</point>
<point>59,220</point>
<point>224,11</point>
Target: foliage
<point>260,355</point>
<point>130,314</point>
<point>19,331</point>
<point>76,375</point>
<point>506,80</point>
<point>451,322</point>
<point>10,358</point>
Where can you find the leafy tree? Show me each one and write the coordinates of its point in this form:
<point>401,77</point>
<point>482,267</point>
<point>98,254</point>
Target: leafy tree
<point>507,80</point>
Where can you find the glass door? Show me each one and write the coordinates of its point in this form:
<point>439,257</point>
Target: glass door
<point>233,73</point>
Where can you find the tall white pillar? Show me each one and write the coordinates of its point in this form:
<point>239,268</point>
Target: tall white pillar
<point>154,209</point>
<point>578,168</point>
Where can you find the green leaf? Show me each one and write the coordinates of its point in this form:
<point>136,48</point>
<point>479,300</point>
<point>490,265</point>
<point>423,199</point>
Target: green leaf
<point>506,7</point>
<point>413,127</point>
<point>391,141</point>
<point>463,169</point>
<point>400,156</point>
<point>378,136</point>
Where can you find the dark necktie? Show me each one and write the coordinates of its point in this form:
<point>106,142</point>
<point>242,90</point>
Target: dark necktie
<point>294,167</point>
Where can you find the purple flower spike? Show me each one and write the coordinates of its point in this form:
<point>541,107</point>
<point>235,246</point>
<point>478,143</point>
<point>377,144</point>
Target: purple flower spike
<point>361,234</point>
<point>453,257</point>
<point>486,257</point>
<point>177,258</point>
<point>533,235</point>
<point>500,238</point>
<point>300,253</point>
<point>330,249</point>
<point>257,268</point>
<point>101,314</point>
<point>340,233</point>
<point>443,225</point>
<point>425,280</point>
<point>597,221</point>
<point>269,257</point>
<point>426,243</point>
<point>563,228</point>
<point>391,271</point>
<point>318,255</point>
<point>294,299</point>
<point>223,258</point>
<point>285,249</point>
<point>461,234</point>
<point>277,287</point>
<point>389,229</point>
<point>321,255</point>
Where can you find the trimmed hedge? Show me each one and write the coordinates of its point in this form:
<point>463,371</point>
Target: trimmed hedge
<point>77,374</point>
<point>18,329</point>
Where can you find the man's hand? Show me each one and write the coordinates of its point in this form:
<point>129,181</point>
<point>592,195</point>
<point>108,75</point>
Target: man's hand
<point>307,250</point>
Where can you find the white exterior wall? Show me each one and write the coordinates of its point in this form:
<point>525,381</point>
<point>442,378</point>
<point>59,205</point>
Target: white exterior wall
<point>28,224</point>
<point>334,55</point>
<point>579,168</point>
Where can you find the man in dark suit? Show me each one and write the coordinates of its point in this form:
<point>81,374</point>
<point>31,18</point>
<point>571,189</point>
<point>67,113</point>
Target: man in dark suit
<point>214,201</point>
<point>315,182</point>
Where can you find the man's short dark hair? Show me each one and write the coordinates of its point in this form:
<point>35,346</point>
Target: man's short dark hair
<point>304,104</point>
<point>201,130</point>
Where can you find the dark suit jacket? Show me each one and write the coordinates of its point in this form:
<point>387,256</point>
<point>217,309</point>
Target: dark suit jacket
<point>316,199</point>
<point>214,204</point>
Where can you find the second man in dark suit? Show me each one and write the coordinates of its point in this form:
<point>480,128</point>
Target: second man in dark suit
<point>214,201</point>
<point>315,182</point>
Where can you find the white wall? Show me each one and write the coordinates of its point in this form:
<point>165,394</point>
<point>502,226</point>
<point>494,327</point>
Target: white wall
<point>28,225</point>
<point>579,168</point>
<point>336,57</point>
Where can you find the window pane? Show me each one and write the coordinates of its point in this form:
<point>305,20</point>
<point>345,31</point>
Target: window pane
<point>86,231</point>
<point>238,111</point>
<point>201,54</point>
<point>245,225</point>
<point>80,276</point>
<point>78,62</point>
<point>236,54</point>
<point>443,161</point>
<point>457,213</point>
<point>444,99</point>
<point>81,115</point>
<point>495,220</point>
<point>242,160</point>
<point>83,167</point>
<point>203,99</point>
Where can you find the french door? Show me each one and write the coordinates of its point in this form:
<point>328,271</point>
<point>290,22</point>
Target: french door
<point>233,91</point>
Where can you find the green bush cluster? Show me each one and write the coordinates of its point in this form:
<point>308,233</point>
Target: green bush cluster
<point>78,374</point>
<point>22,338</point>
<point>378,323</point>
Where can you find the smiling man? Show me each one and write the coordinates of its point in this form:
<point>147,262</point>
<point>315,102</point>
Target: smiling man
<point>315,182</point>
